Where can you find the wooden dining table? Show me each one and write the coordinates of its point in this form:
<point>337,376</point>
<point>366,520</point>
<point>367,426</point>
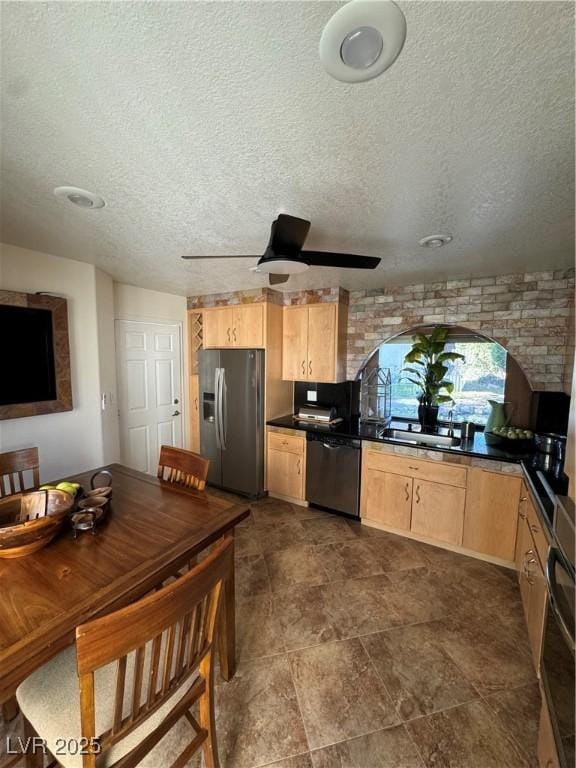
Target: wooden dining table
<point>152,529</point>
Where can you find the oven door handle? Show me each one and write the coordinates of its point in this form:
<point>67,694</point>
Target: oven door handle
<point>552,594</point>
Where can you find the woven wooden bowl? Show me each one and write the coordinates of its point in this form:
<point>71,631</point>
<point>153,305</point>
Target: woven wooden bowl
<point>28,521</point>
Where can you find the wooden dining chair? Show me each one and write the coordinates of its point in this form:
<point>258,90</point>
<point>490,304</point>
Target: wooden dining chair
<point>183,467</point>
<point>12,467</point>
<point>140,670</point>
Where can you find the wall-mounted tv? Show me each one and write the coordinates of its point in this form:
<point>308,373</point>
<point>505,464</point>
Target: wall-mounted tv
<point>28,348</point>
<point>34,346</point>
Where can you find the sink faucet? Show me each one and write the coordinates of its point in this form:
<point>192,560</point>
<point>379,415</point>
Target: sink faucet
<point>450,423</point>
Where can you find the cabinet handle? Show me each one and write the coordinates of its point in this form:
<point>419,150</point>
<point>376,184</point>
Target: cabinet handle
<point>310,368</point>
<point>228,334</point>
<point>304,367</point>
<point>195,403</point>
<point>407,492</point>
<point>534,528</point>
<point>284,442</point>
<point>298,466</point>
<point>522,515</point>
<point>523,498</point>
<point>415,469</point>
<point>234,334</point>
<point>417,494</point>
<point>527,572</point>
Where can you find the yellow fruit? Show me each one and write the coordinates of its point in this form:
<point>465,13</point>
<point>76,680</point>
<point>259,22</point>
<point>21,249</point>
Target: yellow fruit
<point>47,488</point>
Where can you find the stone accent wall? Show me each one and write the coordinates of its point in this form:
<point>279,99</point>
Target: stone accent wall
<point>531,314</point>
<point>315,296</point>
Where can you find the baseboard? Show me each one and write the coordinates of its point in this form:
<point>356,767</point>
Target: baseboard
<point>440,544</point>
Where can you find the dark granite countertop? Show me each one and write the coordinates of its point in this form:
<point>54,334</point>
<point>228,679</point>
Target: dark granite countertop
<point>532,464</point>
<point>353,428</point>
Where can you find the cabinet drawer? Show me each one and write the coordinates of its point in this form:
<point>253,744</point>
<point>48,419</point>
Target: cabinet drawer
<point>436,471</point>
<point>280,442</point>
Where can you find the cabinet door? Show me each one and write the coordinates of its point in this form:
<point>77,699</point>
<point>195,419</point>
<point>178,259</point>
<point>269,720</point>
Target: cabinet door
<point>322,342</point>
<point>491,518</point>
<point>285,473</point>
<point>536,611</point>
<point>194,414</point>
<point>386,498</point>
<point>527,563</point>
<point>295,344</point>
<point>217,327</point>
<point>248,325</point>
<point>522,516</point>
<point>438,511</point>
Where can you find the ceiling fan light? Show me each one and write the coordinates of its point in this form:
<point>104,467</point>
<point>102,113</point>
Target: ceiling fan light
<point>281,266</point>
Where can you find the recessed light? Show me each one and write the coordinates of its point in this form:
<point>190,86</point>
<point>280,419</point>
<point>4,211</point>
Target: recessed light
<point>80,197</point>
<point>362,39</point>
<point>435,241</point>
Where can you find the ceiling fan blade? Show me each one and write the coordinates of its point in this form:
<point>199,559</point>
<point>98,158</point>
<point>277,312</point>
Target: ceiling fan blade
<point>287,235</point>
<point>222,256</point>
<point>339,260</point>
<point>277,279</point>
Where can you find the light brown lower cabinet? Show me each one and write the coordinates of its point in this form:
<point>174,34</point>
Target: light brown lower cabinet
<point>438,511</point>
<point>547,754</point>
<point>532,590</point>
<point>491,519</point>
<point>285,473</point>
<point>387,498</point>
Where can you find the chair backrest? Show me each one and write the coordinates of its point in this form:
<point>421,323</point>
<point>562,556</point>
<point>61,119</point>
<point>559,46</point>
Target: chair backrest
<point>183,467</point>
<point>12,467</point>
<point>167,634</point>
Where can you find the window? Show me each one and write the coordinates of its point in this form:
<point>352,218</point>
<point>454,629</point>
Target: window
<point>477,379</point>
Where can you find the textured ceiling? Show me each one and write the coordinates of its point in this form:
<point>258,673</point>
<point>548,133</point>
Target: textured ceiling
<point>199,122</point>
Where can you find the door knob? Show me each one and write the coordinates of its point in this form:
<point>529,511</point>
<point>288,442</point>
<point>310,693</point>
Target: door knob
<point>176,413</point>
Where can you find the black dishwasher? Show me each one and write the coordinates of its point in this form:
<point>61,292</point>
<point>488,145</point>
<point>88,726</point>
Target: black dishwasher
<point>333,473</point>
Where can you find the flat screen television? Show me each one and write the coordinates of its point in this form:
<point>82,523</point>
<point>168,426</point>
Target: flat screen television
<point>27,343</point>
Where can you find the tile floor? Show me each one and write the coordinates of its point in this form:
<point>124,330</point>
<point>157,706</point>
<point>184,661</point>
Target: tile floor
<point>359,649</point>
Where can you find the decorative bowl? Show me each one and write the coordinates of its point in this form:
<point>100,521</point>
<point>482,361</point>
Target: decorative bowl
<point>28,521</point>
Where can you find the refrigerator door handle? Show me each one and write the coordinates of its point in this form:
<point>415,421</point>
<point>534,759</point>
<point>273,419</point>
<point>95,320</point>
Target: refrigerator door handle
<point>223,407</point>
<point>216,399</point>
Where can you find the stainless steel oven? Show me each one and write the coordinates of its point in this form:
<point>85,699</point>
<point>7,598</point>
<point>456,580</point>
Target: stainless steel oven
<point>557,666</point>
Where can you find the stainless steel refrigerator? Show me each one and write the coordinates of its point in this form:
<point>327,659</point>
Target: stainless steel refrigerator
<point>232,418</point>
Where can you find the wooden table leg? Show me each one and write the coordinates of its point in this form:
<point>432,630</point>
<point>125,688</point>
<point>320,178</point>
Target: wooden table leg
<point>10,709</point>
<point>227,626</point>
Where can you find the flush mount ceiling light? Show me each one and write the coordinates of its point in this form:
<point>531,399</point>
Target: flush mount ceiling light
<point>362,40</point>
<point>80,197</point>
<point>435,241</point>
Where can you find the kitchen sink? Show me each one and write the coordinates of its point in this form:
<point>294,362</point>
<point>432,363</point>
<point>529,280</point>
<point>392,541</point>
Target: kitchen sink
<point>421,438</point>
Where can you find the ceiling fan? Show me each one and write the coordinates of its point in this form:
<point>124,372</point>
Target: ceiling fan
<point>284,255</point>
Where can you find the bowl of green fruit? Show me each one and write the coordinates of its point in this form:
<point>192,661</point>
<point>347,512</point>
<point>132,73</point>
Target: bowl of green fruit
<point>512,439</point>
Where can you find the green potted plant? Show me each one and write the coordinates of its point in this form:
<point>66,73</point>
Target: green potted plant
<point>428,354</point>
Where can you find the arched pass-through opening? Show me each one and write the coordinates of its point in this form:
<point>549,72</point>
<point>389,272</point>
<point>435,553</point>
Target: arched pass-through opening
<point>488,372</point>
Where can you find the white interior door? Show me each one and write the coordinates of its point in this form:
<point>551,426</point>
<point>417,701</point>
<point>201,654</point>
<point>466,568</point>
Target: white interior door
<point>149,391</point>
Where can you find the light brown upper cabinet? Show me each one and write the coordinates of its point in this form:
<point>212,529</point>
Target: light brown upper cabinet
<point>314,343</point>
<point>237,326</point>
<point>295,343</point>
<point>491,519</point>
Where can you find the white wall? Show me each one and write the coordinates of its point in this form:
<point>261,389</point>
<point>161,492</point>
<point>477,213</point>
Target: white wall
<point>140,304</point>
<point>107,362</point>
<point>74,441</point>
